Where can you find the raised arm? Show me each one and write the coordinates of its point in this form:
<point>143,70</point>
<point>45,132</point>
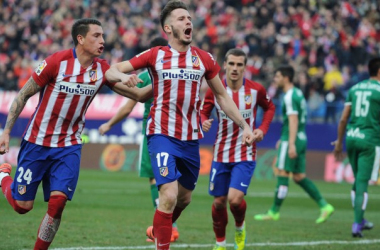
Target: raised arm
<point>229,107</point>
<point>18,104</point>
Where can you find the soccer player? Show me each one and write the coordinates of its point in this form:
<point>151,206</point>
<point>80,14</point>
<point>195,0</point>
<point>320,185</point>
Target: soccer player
<point>361,112</point>
<point>50,151</point>
<point>174,128</point>
<point>292,149</point>
<point>234,162</point>
<point>145,166</point>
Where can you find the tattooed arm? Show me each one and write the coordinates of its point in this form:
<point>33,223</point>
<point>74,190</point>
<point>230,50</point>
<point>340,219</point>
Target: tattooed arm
<point>18,104</point>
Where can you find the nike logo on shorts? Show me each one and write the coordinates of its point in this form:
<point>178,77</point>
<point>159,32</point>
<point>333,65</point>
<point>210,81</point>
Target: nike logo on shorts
<point>243,185</point>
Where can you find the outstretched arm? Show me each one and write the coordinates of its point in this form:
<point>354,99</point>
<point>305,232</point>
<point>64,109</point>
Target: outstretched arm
<point>137,94</point>
<point>18,104</point>
<point>229,107</point>
<point>122,113</point>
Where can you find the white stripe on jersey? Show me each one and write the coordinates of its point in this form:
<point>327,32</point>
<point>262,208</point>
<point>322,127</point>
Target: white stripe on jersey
<point>173,97</point>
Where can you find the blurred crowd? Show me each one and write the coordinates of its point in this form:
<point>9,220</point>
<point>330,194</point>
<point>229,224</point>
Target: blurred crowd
<point>328,42</point>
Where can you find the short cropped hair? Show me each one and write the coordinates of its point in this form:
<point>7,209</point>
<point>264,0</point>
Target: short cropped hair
<point>236,52</point>
<point>81,27</point>
<point>158,41</point>
<point>169,7</point>
<point>286,71</point>
<point>374,66</point>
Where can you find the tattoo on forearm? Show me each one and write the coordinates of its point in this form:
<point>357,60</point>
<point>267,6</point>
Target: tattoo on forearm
<point>18,104</point>
<point>242,124</point>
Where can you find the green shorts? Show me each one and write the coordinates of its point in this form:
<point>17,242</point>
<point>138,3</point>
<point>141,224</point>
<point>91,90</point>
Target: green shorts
<point>364,159</point>
<point>296,165</point>
<point>145,167</point>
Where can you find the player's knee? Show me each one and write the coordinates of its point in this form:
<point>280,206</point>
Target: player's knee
<point>220,202</point>
<point>56,205</point>
<point>297,178</point>
<point>235,201</point>
<point>22,207</point>
<point>283,173</point>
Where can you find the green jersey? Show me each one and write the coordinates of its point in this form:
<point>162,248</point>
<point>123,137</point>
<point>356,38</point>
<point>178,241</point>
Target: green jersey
<point>364,123</point>
<point>144,76</point>
<point>294,103</point>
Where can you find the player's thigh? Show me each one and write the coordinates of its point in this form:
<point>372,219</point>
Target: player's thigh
<point>299,165</point>
<point>189,164</point>
<point>31,168</point>
<point>145,167</point>
<point>353,155</point>
<point>368,163</point>
<point>64,172</point>
<point>284,162</point>
<point>163,152</point>
<point>220,177</point>
<point>241,175</point>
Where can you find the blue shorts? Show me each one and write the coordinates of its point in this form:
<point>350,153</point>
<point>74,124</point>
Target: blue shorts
<point>173,159</point>
<point>57,168</point>
<point>235,175</point>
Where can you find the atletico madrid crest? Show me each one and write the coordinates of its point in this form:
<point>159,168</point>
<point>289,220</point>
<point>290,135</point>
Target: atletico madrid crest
<point>248,99</point>
<point>21,189</point>
<point>164,171</point>
<point>93,75</point>
<point>195,60</point>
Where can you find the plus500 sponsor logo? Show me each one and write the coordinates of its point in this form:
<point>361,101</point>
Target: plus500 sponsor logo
<point>77,89</point>
<point>182,74</point>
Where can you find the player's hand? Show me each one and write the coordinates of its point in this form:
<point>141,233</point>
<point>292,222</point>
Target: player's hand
<point>258,134</point>
<point>292,152</point>
<point>338,150</point>
<point>206,125</point>
<point>4,143</point>
<point>104,128</point>
<point>130,80</point>
<point>278,144</point>
<point>248,137</point>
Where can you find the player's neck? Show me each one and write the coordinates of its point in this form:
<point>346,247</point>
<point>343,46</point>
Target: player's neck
<point>178,46</point>
<point>375,78</point>
<point>234,85</point>
<point>84,59</point>
<point>287,87</point>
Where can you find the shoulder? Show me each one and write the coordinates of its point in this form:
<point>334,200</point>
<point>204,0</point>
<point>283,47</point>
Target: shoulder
<point>253,85</point>
<point>62,55</point>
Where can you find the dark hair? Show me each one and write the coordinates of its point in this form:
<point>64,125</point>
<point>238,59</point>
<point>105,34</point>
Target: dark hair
<point>236,52</point>
<point>81,27</point>
<point>374,66</point>
<point>169,7</point>
<point>158,41</point>
<point>286,71</point>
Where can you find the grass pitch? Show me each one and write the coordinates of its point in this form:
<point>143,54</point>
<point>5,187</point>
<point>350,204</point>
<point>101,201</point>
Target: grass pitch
<point>112,211</point>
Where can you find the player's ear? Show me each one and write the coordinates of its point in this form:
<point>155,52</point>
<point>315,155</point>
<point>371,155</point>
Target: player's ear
<point>167,28</point>
<point>224,65</point>
<point>80,39</point>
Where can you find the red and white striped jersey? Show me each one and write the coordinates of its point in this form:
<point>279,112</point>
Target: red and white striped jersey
<point>228,146</point>
<point>67,91</point>
<point>176,79</point>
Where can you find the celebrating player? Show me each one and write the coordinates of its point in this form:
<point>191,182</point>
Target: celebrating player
<point>67,82</point>
<point>145,166</point>
<point>292,149</point>
<point>234,162</point>
<point>361,112</point>
<point>173,128</point>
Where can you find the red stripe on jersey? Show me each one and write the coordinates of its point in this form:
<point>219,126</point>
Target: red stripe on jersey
<point>166,96</point>
<point>224,136</point>
<point>40,114</point>
<point>180,98</point>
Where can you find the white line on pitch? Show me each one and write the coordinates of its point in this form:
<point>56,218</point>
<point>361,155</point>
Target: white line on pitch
<point>264,244</point>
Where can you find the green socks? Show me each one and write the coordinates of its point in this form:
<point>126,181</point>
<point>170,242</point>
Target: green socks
<point>280,193</point>
<point>312,191</point>
<point>361,198</point>
<point>154,194</point>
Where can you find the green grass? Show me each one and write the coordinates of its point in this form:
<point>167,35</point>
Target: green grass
<point>114,209</point>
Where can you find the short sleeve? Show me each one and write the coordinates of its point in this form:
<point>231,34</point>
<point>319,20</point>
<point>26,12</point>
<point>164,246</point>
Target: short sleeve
<point>212,67</point>
<point>348,101</point>
<point>290,104</point>
<point>45,71</point>
<point>144,59</point>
